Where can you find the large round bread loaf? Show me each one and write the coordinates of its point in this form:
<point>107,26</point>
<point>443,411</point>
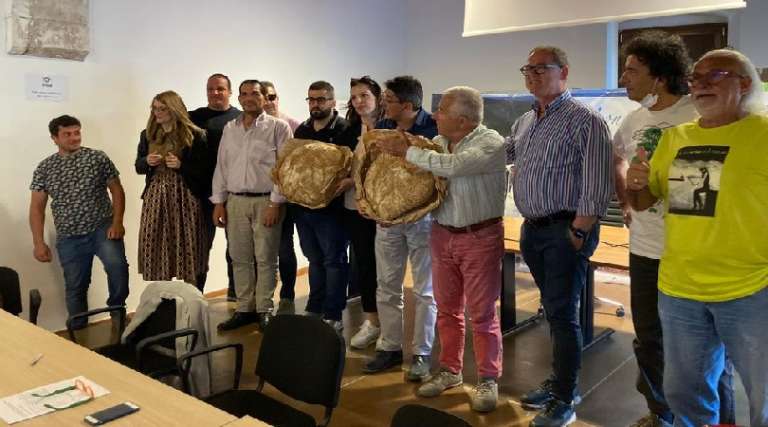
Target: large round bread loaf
<point>308,172</point>
<point>390,189</point>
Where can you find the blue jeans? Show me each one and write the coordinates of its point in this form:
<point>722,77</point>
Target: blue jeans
<point>76,256</point>
<point>560,272</point>
<point>696,338</point>
<point>324,242</point>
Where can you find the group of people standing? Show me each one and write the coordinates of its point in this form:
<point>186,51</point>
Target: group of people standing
<point>211,168</point>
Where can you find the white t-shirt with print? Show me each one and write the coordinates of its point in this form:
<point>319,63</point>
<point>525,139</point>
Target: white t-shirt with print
<point>643,127</point>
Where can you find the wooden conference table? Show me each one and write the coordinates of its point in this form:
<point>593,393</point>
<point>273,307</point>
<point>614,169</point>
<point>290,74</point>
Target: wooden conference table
<point>160,405</point>
<point>612,251</point>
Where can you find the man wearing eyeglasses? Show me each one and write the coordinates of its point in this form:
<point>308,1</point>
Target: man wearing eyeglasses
<point>397,244</point>
<point>562,186</point>
<point>287,263</point>
<point>713,274</point>
<point>654,75</point>
<point>272,105</point>
<point>322,235</point>
<point>212,118</point>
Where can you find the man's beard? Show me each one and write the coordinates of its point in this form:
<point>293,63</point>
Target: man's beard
<point>320,114</point>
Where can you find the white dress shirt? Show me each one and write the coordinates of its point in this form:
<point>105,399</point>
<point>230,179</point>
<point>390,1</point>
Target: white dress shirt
<point>246,157</point>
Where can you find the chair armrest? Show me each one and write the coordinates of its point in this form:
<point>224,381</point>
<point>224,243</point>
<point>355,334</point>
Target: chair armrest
<point>145,344</point>
<point>120,309</point>
<point>185,361</point>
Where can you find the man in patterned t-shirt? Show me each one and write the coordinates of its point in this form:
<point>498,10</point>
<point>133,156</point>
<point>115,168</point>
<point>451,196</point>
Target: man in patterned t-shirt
<point>87,224</point>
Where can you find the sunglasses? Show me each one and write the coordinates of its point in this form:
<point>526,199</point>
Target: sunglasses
<point>271,96</point>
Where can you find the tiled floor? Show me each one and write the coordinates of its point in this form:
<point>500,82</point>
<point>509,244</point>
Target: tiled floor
<point>606,383</point>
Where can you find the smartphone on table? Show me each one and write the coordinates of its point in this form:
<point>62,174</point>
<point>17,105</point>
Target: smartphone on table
<point>109,414</point>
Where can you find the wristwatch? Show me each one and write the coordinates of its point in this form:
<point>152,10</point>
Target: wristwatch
<point>578,233</point>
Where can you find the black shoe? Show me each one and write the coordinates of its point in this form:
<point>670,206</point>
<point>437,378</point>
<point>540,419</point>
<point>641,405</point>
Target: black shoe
<point>382,361</point>
<point>539,397</point>
<point>240,318</point>
<point>264,319</point>
<point>556,414</point>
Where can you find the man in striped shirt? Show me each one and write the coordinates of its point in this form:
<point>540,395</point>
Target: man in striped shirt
<point>562,185</point>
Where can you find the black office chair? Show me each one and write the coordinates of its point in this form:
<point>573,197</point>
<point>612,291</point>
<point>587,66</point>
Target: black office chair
<point>301,356</point>
<point>151,348</point>
<point>423,416</point>
<point>10,295</point>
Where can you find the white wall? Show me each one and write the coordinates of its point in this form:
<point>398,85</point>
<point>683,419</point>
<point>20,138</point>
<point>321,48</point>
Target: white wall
<point>753,32</point>
<point>440,57</point>
<point>142,47</point>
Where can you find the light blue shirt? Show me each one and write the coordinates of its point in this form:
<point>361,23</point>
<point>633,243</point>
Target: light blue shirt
<point>476,176</point>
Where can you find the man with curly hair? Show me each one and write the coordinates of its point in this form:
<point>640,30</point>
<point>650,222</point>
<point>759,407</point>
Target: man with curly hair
<point>654,75</point>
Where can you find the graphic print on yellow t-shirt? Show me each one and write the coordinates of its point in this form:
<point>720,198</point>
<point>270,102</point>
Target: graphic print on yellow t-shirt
<point>694,180</point>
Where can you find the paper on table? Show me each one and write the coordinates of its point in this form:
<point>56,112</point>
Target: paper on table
<point>46,399</point>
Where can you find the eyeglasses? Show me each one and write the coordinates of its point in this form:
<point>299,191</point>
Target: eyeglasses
<point>318,100</point>
<point>272,97</point>
<point>391,100</point>
<point>711,77</point>
<point>537,69</point>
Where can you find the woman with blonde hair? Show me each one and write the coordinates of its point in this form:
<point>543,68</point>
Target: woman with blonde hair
<point>172,153</point>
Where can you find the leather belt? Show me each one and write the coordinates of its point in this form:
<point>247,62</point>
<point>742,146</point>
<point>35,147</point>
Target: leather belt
<point>246,194</point>
<point>551,219</point>
<point>470,228</point>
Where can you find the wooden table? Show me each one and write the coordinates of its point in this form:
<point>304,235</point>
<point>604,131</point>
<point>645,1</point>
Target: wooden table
<point>160,404</point>
<point>246,421</point>
<point>612,251</point>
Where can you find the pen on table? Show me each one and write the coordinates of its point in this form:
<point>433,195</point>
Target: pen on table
<point>36,359</point>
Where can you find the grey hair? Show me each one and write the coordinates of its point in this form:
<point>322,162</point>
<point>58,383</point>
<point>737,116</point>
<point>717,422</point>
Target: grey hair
<point>753,102</point>
<point>467,102</point>
<point>558,55</point>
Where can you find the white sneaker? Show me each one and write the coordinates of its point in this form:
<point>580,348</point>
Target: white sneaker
<point>485,395</point>
<point>439,382</point>
<point>367,335</point>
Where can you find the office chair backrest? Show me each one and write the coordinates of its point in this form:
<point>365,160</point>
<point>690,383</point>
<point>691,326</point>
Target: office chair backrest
<point>162,320</point>
<point>423,416</point>
<point>10,291</point>
<point>303,357</point>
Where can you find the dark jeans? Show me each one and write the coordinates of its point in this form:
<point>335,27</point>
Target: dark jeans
<point>362,233</point>
<point>324,242</point>
<point>207,207</point>
<point>560,272</point>
<point>76,256</point>
<point>286,258</point>
<point>648,343</point>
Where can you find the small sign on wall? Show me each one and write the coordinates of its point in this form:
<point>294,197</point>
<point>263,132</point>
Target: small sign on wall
<point>45,87</point>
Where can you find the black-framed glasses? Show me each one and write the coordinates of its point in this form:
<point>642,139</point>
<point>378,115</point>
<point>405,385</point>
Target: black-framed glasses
<point>272,97</point>
<point>318,100</point>
<point>538,69</point>
<point>711,77</point>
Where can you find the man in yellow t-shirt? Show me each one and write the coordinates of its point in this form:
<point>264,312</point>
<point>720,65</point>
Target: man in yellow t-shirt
<point>713,298</point>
